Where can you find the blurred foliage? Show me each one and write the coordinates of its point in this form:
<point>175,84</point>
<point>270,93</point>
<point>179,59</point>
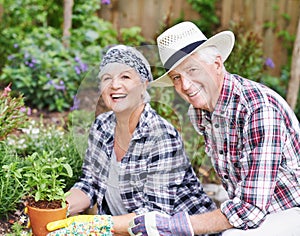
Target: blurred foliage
<point>208,20</point>
<point>11,191</point>
<point>34,57</point>
<point>246,58</point>
<point>13,113</point>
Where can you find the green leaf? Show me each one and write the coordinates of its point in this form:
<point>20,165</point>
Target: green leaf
<point>69,170</point>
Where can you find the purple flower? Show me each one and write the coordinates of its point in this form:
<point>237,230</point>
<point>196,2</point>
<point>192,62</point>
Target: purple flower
<point>48,75</point>
<point>105,2</point>
<point>76,103</point>
<point>10,57</point>
<point>50,82</point>
<point>269,63</point>
<point>77,59</point>
<point>77,70</point>
<point>29,111</point>
<point>61,85</point>
<point>16,45</point>
<point>83,67</point>
<point>23,109</point>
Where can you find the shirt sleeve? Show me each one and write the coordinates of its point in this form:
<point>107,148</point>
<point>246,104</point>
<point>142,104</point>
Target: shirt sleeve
<point>263,141</point>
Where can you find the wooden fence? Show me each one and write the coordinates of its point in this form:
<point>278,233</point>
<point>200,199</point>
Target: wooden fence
<point>267,18</point>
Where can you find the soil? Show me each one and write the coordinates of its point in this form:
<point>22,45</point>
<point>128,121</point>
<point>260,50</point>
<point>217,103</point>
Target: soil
<point>15,217</point>
<point>42,204</point>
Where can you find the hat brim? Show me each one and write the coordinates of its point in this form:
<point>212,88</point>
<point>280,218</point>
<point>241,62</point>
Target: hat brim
<point>223,41</point>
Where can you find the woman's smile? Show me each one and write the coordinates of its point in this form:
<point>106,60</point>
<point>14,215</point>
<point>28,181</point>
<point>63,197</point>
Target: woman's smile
<point>116,97</point>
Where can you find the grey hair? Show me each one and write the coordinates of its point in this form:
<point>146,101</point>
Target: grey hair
<point>208,54</point>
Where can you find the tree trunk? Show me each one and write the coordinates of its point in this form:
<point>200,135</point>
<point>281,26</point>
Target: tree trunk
<point>68,6</point>
<point>294,83</point>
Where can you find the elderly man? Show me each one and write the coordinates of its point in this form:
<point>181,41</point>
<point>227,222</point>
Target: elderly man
<point>251,136</point>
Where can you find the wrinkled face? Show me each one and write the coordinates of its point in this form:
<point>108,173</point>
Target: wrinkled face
<point>121,87</point>
<point>198,82</point>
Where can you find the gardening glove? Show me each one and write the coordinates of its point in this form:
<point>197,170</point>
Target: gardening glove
<point>82,225</point>
<point>158,224</point>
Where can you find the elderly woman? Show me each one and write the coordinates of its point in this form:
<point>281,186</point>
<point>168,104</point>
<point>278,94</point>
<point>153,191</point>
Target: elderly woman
<point>135,161</point>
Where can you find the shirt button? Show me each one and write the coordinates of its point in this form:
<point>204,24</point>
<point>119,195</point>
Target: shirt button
<point>221,152</point>
<point>216,125</point>
<point>225,176</point>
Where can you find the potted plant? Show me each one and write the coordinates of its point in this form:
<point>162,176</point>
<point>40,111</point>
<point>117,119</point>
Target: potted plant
<point>43,178</point>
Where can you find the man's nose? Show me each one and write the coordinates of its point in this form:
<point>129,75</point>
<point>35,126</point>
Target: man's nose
<point>186,83</point>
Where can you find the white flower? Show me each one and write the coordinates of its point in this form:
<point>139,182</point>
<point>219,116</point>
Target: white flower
<point>23,219</point>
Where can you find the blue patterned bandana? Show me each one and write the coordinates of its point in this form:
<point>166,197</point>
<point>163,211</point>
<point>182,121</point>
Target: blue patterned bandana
<point>130,57</point>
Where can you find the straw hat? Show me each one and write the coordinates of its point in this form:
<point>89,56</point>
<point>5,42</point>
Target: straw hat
<point>183,39</point>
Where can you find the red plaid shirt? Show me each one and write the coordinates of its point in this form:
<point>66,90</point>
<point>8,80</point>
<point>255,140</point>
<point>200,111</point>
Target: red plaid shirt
<point>252,137</point>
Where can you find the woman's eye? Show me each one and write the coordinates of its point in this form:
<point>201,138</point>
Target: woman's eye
<point>125,77</point>
<point>106,78</point>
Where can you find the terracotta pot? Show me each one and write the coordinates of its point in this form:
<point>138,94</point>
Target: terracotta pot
<point>39,218</point>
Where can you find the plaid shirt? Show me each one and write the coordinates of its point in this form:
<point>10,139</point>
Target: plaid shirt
<point>155,173</point>
<point>252,137</point>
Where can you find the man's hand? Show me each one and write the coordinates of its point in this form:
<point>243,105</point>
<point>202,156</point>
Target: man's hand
<point>82,225</point>
<point>159,224</point>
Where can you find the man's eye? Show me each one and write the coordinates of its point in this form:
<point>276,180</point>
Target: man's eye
<point>192,70</point>
<point>176,77</point>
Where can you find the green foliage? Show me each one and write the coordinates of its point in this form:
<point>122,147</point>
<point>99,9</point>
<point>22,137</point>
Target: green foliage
<point>19,229</point>
<point>34,57</point>
<point>11,190</point>
<point>13,114</point>
<point>17,21</point>
<point>38,137</point>
<point>41,175</point>
<point>43,70</point>
<point>246,58</point>
<point>208,19</point>
<point>132,36</point>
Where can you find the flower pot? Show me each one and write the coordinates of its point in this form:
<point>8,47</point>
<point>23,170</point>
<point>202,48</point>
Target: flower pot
<point>39,218</point>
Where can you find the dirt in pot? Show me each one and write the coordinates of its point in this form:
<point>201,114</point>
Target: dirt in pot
<point>43,204</point>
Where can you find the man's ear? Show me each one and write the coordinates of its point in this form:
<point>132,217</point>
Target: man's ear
<point>219,64</point>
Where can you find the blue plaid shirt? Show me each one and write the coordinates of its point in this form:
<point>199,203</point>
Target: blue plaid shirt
<point>252,137</point>
<point>155,173</point>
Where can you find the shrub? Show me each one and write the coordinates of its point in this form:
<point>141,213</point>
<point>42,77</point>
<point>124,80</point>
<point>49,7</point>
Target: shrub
<point>11,190</point>
<point>46,72</point>
<point>38,137</point>
<point>13,113</point>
